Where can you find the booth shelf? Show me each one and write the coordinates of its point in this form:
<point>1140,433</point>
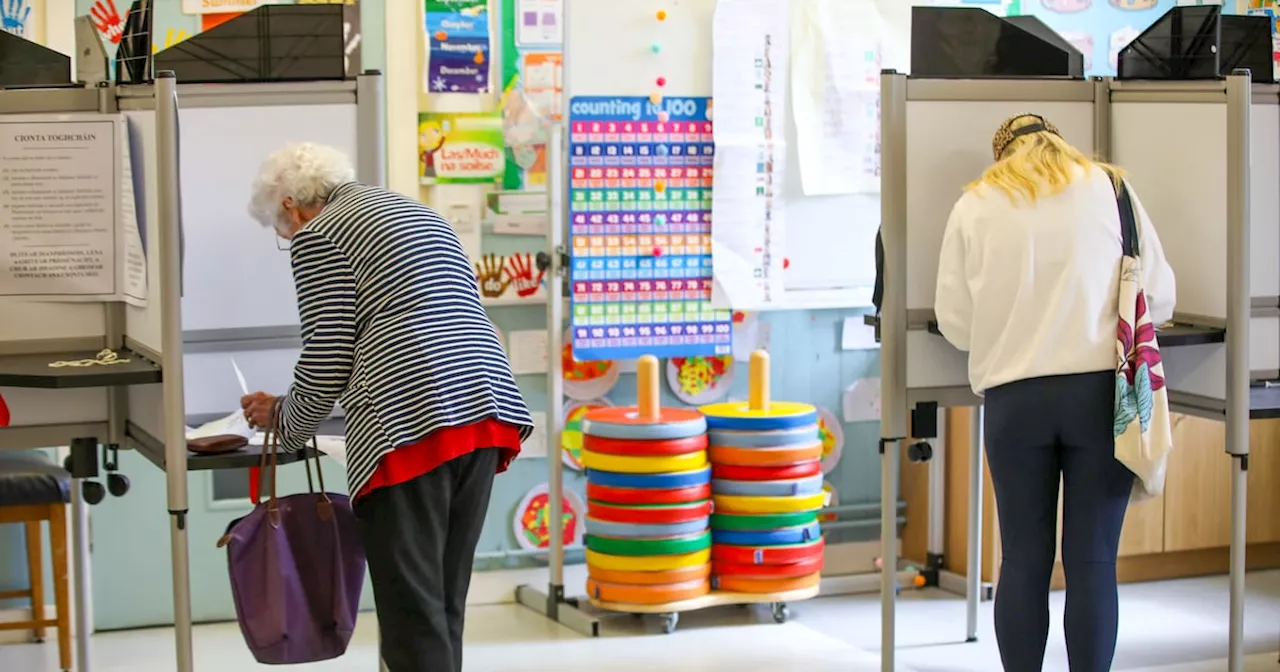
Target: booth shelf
<point>33,371</point>
<point>1172,336</point>
<point>250,456</point>
<point>671,611</point>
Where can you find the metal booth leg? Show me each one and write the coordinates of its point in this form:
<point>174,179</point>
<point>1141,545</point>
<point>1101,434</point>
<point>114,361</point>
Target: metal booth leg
<point>973,577</point>
<point>82,463</point>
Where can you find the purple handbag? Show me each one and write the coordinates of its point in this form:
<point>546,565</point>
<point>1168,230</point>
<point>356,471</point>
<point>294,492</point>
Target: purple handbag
<point>297,569</point>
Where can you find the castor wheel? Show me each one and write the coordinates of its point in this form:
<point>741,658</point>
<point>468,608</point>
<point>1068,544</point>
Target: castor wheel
<point>669,623</point>
<point>780,612</point>
<point>919,452</point>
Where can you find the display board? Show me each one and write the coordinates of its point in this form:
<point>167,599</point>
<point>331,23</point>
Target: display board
<point>640,229</point>
<point>622,49</point>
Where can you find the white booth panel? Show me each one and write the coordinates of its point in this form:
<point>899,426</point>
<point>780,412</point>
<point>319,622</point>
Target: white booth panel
<point>48,321</point>
<point>933,362</point>
<point>1264,224</point>
<point>28,406</point>
<point>1176,158</point>
<point>235,275</point>
<point>1201,369</point>
<point>211,384</point>
<point>948,146</point>
<point>146,409</point>
<point>143,324</point>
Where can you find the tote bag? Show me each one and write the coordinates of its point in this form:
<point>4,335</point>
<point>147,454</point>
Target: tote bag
<point>1143,437</point>
<point>297,569</point>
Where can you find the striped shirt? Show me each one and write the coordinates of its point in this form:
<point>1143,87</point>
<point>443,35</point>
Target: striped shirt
<point>392,330</point>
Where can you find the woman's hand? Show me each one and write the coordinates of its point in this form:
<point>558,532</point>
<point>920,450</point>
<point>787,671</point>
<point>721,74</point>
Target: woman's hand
<point>258,408</point>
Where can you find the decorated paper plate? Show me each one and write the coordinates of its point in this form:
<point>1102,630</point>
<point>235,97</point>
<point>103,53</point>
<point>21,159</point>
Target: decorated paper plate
<point>833,500</point>
<point>584,381</point>
<point>699,380</point>
<point>571,438</point>
<point>832,436</point>
<point>530,522</point>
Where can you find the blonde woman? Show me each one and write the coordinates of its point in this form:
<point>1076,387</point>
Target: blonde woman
<point>1028,285</point>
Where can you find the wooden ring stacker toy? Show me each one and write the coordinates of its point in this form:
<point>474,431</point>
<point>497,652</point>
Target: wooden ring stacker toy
<point>604,528</point>
<point>762,522</point>
<point>623,464</point>
<point>650,547</point>
<point>647,594</point>
<point>759,414</point>
<point>651,514</point>
<point>732,504</point>
<point>603,446</point>
<point>647,563</point>
<point>768,555</point>
<point>788,571</point>
<point>782,537</point>
<point>680,479</point>
<point>763,457</point>
<point>789,437</point>
<point>642,497</point>
<point>695,573</point>
<point>788,488</point>
<point>648,421</point>
<point>745,585</point>
<point>730,472</point>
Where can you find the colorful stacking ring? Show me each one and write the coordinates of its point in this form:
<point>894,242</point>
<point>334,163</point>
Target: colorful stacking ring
<point>731,472</point>
<point>650,547</point>
<point>761,457</point>
<point>647,563</point>
<point>647,594</point>
<point>790,488</point>
<point>789,437</point>
<point>761,523</point>
<point>767,555</point>
<point>750,585</point>
<point>651,515</point>
<point>732,504</point>
<point>680,479</point>
<point>648,496</point>
<point>788,571</point>
<point>737,415</point>
<point>605,446</point>
<point>626,424</point>
<point>782,537</point>
<point>695,573</point>
<point>623,464</point>
<point>603,528</point>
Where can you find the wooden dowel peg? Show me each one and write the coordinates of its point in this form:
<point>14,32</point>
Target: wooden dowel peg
<point>758,382</point>
<point>647,398</point>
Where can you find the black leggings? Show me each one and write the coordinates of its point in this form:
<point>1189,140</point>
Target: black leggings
<point>1038,430</point>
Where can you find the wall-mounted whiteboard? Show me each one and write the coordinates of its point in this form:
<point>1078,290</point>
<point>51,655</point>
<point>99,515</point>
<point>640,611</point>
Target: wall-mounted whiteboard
<point>237,274</point>
<point>610,51</point>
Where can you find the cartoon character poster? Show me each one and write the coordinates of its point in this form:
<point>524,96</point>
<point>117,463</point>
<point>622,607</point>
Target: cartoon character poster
<point>460,148</point>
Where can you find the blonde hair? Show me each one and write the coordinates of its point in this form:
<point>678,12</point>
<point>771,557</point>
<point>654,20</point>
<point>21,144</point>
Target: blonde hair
<point>1036,164</point>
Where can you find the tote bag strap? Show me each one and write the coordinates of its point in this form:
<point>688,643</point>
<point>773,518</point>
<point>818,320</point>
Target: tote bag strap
<point>1128,223</point>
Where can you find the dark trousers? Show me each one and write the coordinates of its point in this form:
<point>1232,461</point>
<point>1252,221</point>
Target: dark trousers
<point>1038,430</point>
<point>420,540</point>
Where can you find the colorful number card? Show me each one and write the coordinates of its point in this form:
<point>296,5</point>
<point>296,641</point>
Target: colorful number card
<point>640,177</point>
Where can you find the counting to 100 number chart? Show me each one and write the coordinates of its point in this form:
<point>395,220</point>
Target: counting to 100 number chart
<point>640,179</point>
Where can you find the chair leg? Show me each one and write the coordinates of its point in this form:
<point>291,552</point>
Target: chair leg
<point>61,580</point>
<point>35,574</point>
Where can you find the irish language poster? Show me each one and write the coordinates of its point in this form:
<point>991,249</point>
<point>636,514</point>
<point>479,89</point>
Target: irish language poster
<point>458,46</point>
<point>460,148</point>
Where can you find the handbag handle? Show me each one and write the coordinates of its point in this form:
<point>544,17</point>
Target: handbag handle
<point>1128,222</point>
<point>271,450</point>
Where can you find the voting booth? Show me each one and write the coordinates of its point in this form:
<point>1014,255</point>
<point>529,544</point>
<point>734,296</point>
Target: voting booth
<point>1198,137</point>
<point>130,258</point>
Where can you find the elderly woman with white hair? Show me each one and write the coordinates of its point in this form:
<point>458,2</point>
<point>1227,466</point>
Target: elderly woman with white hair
<point>393,331</point>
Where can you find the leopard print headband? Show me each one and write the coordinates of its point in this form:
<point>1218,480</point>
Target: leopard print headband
<point>1007,134</point>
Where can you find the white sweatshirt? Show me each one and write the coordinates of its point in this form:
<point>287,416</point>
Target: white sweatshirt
<point>1032,290</point>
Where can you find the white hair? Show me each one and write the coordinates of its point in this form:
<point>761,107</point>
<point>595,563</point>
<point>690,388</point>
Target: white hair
<point>305,172</point>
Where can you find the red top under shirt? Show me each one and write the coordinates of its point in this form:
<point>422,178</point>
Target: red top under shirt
<point>409,462</point>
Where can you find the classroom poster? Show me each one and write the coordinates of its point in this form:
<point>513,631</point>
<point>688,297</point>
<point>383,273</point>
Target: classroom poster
<point>460,148</point>
<point>1099,28</point>
<point>458,46</point>
<point>539,23</point>
<point>640,183</point>
<point>15,18</point>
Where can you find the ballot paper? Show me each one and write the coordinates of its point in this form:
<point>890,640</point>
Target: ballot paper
<point>232,425</point>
